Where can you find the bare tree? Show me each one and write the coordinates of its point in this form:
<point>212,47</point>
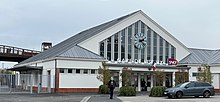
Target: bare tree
<point>104,75</point>
<point>204,74</point>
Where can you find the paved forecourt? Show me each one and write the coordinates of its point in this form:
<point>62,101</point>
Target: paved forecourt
<point>42,97</point>
<point>165,99</point>
<point>102,98</point>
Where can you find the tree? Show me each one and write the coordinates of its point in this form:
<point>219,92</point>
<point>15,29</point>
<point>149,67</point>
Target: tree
<point>126,89</point>
<point>204,74</point>
<point>159,77</point>
<point>104,75</point>
<point>181,76</point>
<point>126,76</point>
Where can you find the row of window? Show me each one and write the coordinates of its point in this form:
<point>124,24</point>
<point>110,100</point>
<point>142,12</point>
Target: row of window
<point>121,45</point>
<point>78,71</point>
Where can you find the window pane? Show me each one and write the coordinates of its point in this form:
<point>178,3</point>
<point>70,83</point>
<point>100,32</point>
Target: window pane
<point>142,27</point>
<point>61,70</point>
<point>194,74</point>
<point>136,27</point>
<point>167,51</point>
<point>70,70</point>
<point>77,71</point>
<point>102,49</point>
<point>92,71</point>
<point>109,48</point>
<point>85,71</point>
<point>173,51</point>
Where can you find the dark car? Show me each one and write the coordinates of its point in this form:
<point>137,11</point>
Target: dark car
<point>193,88</point>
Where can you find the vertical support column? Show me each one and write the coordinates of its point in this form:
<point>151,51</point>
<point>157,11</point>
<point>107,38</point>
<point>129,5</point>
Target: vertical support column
<point>31,84</point>
<point>158,47</point>
<point>139,81</point>
<point>164,80</point>
<point>10,86</point>
<point>57,74</point>
<point>173,75</point>
<point>145,52</point>
<point>139,31</point>
<point>57,80</point>
<point>119,45</point>
<point>49,83</point>
<point>152,80</point>
<point>164,49</point>
<point>152,45</point>
<point>39,84</point>
<point>126,43</point>
<point>112,47</point>
<point>120,79</point>
<point>169,51</point>
<point>132,42</point>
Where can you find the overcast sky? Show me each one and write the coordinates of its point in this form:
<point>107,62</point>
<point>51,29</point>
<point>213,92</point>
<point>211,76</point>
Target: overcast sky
<point>28,23</point>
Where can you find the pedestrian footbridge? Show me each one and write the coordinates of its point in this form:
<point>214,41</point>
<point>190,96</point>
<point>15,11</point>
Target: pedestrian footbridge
<point>15,54</point>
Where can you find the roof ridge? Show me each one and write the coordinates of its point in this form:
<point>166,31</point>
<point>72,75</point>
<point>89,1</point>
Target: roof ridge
<point>203,49</point>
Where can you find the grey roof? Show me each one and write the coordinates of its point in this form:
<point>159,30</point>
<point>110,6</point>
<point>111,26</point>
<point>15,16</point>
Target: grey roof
<point>64,48</point>
<point>80,52</point>
<point>202,56</point>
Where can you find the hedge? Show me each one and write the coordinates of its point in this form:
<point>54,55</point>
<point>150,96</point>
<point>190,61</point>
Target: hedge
<point>157,91</point>
<point>127,91</point>
<point>103,89</point>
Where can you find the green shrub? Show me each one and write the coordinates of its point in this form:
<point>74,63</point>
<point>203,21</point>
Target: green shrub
<point>127,91</point>
<point>157,91</point>
<point>103,89</point>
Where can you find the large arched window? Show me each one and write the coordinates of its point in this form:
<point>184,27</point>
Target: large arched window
<point>121,45</point>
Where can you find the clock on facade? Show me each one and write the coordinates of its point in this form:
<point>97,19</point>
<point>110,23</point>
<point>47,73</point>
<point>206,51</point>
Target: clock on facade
<point>140,40</point>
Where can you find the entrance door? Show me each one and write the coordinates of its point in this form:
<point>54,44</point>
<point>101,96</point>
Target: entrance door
<point>143,83</point>
<point>168,80</point>
<point>148,81</point>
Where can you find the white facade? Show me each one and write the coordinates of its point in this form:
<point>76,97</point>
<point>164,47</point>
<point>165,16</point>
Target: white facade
<point>79,80</point>
<point>215,74</point>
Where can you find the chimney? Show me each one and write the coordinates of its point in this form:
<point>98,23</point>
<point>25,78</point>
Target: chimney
<point>46,46</point>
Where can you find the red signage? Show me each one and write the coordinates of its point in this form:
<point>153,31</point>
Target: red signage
<point>172,61</point>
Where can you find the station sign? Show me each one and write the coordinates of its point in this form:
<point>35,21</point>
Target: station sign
<point>172,61</point>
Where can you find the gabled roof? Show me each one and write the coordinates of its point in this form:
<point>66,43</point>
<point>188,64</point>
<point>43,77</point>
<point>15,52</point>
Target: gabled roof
<point>69,47</point>
<point>199,56</point>
<point>64,48</point>
<point>80,52</point>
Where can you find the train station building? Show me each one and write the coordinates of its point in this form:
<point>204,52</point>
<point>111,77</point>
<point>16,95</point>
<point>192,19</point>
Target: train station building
<point>134,41</point>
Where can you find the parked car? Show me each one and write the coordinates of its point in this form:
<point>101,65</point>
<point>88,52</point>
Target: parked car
<point>193,88</point>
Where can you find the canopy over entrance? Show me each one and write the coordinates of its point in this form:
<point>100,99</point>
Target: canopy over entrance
<point>26,68</point>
